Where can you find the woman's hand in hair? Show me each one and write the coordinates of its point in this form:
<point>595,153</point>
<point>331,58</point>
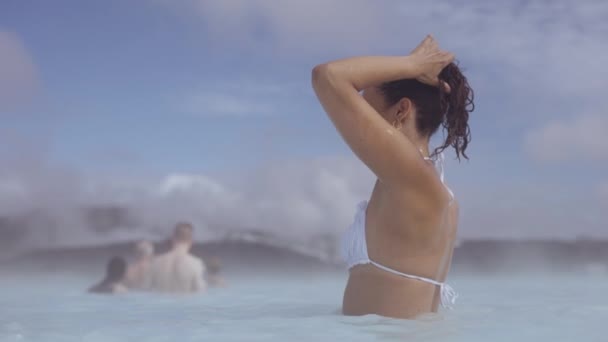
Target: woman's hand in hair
<point>429,60</point>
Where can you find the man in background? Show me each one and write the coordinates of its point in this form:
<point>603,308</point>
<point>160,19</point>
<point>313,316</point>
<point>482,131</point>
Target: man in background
<point>178,271</point>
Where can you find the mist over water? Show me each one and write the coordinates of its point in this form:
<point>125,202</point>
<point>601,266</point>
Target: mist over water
<point>47,207</point>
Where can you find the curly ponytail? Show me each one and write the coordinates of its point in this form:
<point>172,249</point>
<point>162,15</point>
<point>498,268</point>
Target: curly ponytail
<point>457,104</point>
<point>435,107</point>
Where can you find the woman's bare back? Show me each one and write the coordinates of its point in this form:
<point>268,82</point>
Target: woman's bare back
<point>408,235</point>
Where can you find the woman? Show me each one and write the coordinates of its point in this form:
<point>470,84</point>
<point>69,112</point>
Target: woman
<point>113,281</point>
<point>138,272</point>
<point>399,248</point>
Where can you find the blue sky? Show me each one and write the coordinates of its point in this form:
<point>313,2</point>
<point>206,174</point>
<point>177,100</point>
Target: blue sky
<point>209,103</point>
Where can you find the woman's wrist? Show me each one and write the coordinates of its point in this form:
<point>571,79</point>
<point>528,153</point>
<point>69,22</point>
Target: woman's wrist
<point>412,66</point>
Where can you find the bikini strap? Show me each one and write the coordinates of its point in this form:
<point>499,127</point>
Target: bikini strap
<point>447,293</point>
<point>439,163</point>
<point>405,275</point>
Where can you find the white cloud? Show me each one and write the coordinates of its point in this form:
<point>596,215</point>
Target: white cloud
<point>558,44</point>
<point>537,60</point>
<point>603,191</point>
<point>185,183</point>
<point>240,98</point>
<point>579,138</point>
<point>18,76</point>
<point>29,183</point>
<point>542,51</point>
<point>291,26</point>
<point>225,105</point>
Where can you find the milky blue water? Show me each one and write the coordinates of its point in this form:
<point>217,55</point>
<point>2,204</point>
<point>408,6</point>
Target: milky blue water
<point>54,307</point>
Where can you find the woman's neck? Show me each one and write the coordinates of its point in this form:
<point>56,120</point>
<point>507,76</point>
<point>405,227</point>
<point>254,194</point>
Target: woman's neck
<point>421,144</point>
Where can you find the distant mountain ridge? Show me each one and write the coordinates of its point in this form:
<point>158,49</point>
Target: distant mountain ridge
<point>485,256</point>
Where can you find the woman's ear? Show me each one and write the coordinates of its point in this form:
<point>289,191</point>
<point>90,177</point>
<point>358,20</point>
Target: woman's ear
<point>405,108</point>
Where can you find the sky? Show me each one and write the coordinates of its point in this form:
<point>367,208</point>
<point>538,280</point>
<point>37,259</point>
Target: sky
<point>203,110</point>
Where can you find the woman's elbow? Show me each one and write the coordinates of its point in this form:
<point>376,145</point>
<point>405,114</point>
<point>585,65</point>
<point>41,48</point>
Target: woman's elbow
<point>321,74</point>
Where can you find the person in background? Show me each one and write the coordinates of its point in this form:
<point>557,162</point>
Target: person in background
<point>113,281</point>
<point>178,271</point>
<point>138,272</point>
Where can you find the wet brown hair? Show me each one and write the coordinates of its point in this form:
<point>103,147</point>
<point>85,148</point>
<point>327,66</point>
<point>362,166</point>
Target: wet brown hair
<point>435,107</point>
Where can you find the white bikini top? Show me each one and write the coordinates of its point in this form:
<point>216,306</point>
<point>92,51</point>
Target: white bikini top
<point>354,247</point>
